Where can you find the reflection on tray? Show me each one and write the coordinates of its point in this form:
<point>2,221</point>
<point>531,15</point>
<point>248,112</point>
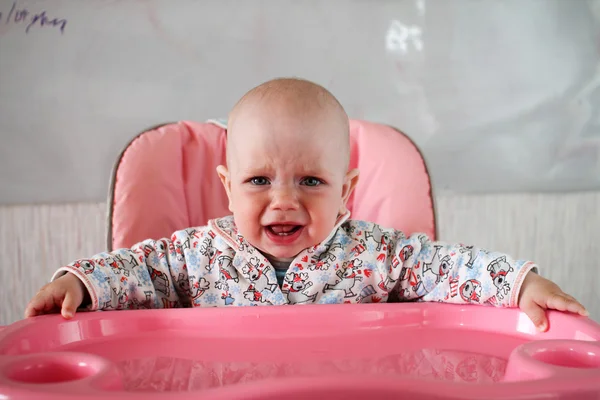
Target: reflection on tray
<point>178,374</point>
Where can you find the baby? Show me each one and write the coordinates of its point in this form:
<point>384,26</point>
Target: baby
<point>290,239</point>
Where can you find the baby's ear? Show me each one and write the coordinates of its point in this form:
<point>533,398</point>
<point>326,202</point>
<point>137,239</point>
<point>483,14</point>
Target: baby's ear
<point>223,173</point>
<point>350,181</point>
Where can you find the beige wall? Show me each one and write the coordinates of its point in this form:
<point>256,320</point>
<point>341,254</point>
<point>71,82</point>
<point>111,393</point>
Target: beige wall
<point>559,231</point>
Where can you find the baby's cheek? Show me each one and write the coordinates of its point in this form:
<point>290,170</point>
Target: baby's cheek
<point>248,223</point>
<point>247,210</point>
<point>322,230</point>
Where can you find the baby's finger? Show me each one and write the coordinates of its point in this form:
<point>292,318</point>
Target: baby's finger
<point>564,302</point>
<point>536,314</point>
<point>581,308</point>
<point>41,303</point>
<point>69,305</point>
<point>577,308</point>
<point>31,309</point>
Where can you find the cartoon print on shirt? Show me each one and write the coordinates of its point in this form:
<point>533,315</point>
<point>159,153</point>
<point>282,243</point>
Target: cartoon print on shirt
<point>453,288</point>
<point>127,263</point>
<point>394,264</point>
<point>147,249</point>
<point>86,265</point>
<point>243,245</point>
<point>169,303</point>
<point>325,256</point>
<point>226,272</point>
<point>227,298</point>
<point>115,267</point>
<point>470,291</point>
<point>194,291</point>
<point>348,277</point>
<point>207,250</point>
<point>176,251</point>
<point>296,293</point>
<point>210,252</point>
<point>492,301</point>
<point>387,284</point>
<point>358,250</point>
<point>145,304</point>
<point>319,265</point>
<point>472,252</point>
<point>367,291</point>
<point>198,288</point>
<point>322,260</point>
<point>414,282</point>
<point>335,246</point>
<point>254,271</point>
<point>160,281</point>
<point>254,295</point>
<point>191,236</point>
<point>224,223</point>
<point>498,269</point>
<point>439,265</point>
<point>349,229</point>
<point>418,287</point>
<point>160,249</point>
<point>122,298</point>
<point>406,252</point>
<point>377,236</point>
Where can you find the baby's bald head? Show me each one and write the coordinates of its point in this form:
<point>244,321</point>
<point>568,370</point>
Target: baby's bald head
<point>290,101</point>
<point>287,164</point>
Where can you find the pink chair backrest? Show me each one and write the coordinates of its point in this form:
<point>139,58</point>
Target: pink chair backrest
<point>165,180</point>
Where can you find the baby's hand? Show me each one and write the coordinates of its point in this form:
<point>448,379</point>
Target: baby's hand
<point>62,295</point>
<point>538,294</point>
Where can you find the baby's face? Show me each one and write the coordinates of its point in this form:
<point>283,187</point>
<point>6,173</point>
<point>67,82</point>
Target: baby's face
<point>287,180</point>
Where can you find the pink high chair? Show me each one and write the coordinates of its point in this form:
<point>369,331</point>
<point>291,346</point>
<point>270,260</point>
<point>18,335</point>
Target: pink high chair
<point>165,180</point>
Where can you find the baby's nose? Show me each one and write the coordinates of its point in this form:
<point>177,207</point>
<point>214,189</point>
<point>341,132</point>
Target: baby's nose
<point>284,199</point>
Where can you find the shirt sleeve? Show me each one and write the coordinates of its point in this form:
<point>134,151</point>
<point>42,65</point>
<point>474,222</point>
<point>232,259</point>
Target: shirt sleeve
<point>151,274</point>
<point>420,269</point>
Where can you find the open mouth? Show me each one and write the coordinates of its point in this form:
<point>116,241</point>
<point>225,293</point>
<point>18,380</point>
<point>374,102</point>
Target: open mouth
<point>283,230</point>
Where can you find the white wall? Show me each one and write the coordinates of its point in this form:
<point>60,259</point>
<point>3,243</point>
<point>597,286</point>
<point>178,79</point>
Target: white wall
<point>500,95</point>
<point>560,232</point>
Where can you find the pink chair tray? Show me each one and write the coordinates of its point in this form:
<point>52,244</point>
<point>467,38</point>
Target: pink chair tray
<point>364,351</point>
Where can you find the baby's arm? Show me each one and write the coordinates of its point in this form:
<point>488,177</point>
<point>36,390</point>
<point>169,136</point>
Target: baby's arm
<point>152,274</point>
<point>437,271</point>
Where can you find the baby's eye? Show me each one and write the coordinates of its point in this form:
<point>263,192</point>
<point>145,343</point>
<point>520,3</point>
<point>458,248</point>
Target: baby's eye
<point>311,181</point>
<point>259,181</point>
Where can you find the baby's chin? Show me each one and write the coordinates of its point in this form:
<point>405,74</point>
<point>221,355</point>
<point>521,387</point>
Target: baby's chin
<point>281,254</point>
